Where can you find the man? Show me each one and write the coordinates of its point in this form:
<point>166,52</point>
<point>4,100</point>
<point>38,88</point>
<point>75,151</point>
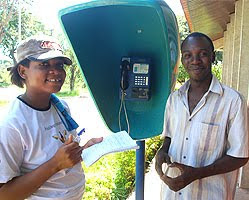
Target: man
<point>206,131</point>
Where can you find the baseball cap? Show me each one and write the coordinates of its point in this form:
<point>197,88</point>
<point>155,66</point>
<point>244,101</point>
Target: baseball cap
<point>41,49</point>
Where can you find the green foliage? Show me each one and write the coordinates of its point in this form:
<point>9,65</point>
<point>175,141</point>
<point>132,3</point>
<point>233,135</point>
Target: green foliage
<point>217,66</point>
<point>125,175</point>
<point>4,78</point>
<point>184,31</point>
<point>217,70</point>
<point>74,77</point>
<point>68,93</point>
<point>218,57</point>
<point>183,27</point>
<point>29,26</point>
<point>152,145</point>
<point>7,8</point>
<point>182,75</point>
<point>100,179</point>
<point>112,177</point>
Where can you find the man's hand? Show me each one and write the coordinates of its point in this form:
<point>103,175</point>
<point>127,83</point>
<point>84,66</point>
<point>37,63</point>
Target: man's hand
<point>187,176</point>
<point>190,174</point>
<point>161,157</point>
<point>92,142</point>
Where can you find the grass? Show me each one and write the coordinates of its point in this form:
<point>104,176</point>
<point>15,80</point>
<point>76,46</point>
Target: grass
<point>67,93</point>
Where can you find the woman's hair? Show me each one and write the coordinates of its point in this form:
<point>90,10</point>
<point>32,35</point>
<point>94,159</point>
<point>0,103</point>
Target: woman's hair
<point>15,77</point>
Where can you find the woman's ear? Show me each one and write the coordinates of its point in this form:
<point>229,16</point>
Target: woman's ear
<point>22,71</point>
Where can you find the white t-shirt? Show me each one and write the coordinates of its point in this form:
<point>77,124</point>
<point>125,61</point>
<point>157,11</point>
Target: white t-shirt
<point>26,142</point>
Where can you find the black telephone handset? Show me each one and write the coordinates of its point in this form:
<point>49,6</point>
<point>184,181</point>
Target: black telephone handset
<point>125,65</point>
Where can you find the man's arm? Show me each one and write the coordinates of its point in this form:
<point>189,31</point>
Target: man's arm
<point>189,174</point>
<point>221,166</point>
<point>162,156</point>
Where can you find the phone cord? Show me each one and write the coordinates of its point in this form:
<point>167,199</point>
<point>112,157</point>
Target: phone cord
<point>122,104</point>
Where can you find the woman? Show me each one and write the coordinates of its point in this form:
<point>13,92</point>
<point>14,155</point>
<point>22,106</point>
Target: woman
<point>39,158</point>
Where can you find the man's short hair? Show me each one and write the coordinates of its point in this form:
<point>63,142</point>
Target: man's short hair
<point>198,34</point>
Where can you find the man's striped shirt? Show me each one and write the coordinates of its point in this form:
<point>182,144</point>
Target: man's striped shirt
<point>216,127</point>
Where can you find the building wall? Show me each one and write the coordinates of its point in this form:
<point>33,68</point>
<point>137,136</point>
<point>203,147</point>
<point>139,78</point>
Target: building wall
<point>236,61</point>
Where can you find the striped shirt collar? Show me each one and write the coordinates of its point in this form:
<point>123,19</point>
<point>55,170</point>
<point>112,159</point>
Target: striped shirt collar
<point>215,87</point>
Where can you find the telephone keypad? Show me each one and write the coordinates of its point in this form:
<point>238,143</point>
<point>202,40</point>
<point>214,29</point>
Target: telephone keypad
<point>141,80</point>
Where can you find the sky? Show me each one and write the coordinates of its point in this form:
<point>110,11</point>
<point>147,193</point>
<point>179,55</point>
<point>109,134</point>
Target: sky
<point>50,9</point>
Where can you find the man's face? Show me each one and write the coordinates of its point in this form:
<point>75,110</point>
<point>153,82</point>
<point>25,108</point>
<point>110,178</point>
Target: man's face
<point>197,58</point>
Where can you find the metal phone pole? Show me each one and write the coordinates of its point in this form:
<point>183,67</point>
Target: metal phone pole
<point>140,160</point>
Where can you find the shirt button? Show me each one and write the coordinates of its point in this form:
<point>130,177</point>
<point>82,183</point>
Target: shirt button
<point>186,138</point>
<point>184,157</point>
<point>189,120</point>
<point>180,193</point>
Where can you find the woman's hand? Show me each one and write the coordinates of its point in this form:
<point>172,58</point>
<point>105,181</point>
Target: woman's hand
<point>68,154</point>
<point>92,142</point>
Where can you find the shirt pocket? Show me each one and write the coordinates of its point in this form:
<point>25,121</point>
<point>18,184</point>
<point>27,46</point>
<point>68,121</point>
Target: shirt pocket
<point>208,136</point>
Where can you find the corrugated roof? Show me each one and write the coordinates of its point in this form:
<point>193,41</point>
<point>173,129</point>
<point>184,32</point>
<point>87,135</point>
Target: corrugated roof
<point>208,16</point>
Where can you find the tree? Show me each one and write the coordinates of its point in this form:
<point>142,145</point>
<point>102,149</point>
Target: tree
<point>74,75</point>
<point>7,8</point>
<point>183,27</point>
<point>29,26</point>
<point>183,31</point>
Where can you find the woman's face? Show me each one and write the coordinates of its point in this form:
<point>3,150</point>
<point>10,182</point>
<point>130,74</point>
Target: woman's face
<point>44,77</point>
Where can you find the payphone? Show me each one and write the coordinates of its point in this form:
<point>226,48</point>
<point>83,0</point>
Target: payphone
<point>135,78</point>
<point>134,83</point>
<point>126,49</point>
